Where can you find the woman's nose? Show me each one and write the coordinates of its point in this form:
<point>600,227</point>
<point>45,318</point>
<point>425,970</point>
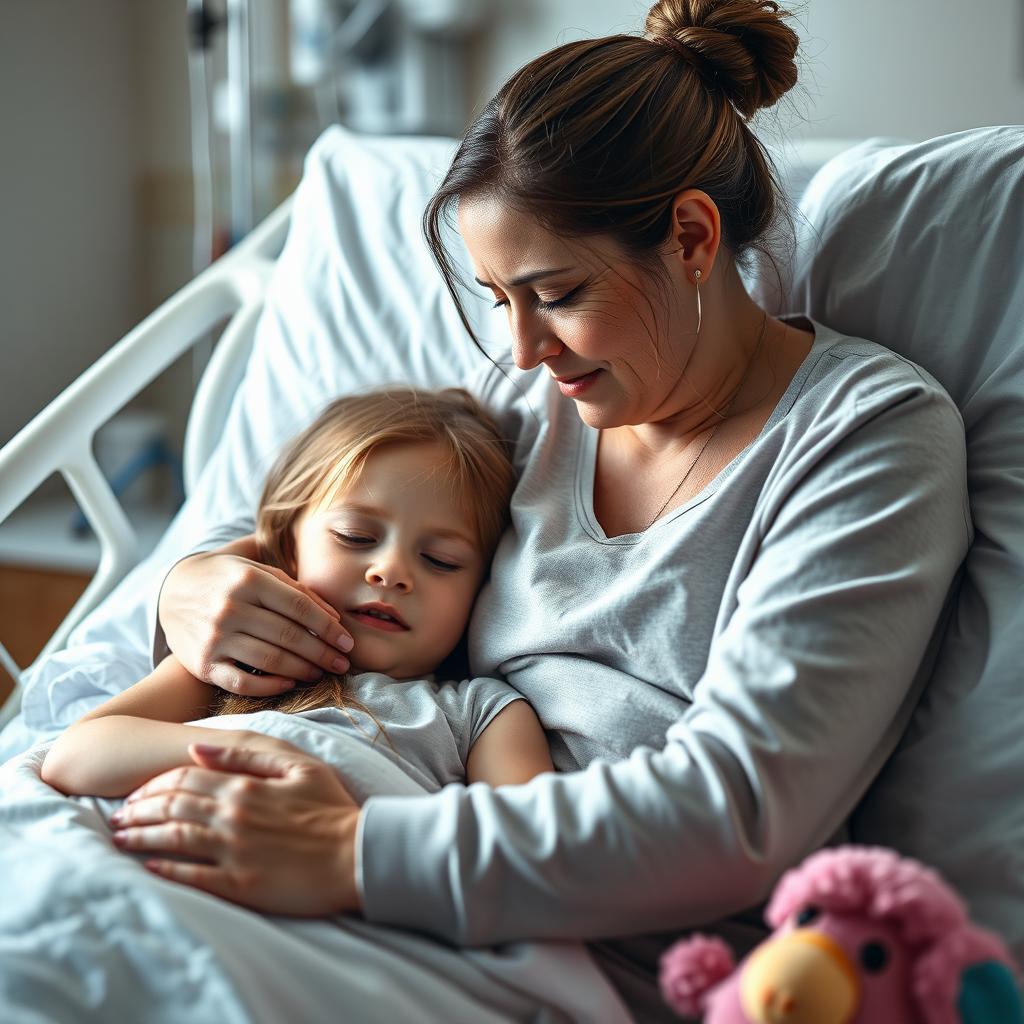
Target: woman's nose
<point>533,340</point>
<point>390,570</point>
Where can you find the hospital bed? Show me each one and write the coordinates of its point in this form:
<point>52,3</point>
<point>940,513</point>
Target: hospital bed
<point>918,246</point>
<point>60,439</point>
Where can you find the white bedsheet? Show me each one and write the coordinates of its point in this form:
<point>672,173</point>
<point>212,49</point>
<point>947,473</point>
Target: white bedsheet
<point>86,933</point>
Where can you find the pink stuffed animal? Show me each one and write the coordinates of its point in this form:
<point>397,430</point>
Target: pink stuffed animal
<point>862,936</point>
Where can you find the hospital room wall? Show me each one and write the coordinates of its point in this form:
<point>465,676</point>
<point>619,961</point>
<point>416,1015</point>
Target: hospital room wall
<point>95,203</point>
<point>94,130</point>
<point>910,68</point>
<point>95,189</point>
<point>68,223</point>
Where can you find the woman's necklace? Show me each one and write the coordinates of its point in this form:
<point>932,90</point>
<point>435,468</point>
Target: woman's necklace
<point>714,430</point>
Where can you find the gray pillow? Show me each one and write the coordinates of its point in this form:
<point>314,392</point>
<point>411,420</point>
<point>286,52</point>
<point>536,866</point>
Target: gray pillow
<point>921,248</point>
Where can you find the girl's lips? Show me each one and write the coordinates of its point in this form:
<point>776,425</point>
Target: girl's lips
<point>575,387</point>
<point>364,619</point>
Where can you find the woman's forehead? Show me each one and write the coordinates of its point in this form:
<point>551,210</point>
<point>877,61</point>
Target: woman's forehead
<point>508,245</point>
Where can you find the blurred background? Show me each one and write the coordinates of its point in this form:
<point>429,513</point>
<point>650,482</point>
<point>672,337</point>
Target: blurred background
<point>140,138</point>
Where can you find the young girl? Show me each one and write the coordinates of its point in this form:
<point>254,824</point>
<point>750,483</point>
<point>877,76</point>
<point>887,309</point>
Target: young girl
<point>388,507</point>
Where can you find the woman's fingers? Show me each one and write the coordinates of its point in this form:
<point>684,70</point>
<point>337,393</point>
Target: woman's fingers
<point>302,606</point>
<point>236,677</point>
<point>328,627</point>
<point>179,837</point>
<point>280,650</point>
<point>186,779</point>
<point>213,606</point>
<point>280,836</point>
<point>171,806</point>
<point>277,644</point>
<point>247,760</point>
<point>209,878</point>
<point>211,775</point>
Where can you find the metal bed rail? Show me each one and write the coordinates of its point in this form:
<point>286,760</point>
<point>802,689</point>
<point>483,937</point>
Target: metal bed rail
<point>60,438</point>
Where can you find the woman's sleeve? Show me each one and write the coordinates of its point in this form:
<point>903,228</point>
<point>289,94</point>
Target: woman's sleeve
<point>809,683</point>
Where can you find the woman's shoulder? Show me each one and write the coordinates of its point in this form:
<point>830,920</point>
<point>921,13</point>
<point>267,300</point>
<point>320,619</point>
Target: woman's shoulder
<point>849,376</point>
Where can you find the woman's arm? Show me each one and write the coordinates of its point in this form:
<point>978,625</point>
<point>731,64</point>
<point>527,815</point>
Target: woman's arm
<point>512,749</point>
<point>806,689</point>
<point>136,735</point>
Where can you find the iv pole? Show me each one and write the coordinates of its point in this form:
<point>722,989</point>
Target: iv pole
<point>239,74</point>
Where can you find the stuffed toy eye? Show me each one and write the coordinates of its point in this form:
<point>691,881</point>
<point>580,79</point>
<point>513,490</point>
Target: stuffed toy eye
<point>807,915</point>
<point>874,957</point>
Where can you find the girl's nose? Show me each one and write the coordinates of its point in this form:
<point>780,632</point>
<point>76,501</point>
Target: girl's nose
<point>390,570</point>
<point>533,340</point>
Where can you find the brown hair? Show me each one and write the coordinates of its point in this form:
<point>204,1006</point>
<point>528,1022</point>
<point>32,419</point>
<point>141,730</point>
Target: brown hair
<point>597,137</point>
<point>330,454</point>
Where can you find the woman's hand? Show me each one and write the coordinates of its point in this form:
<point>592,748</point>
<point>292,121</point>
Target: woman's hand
<point>220,609</point>
<point>272,829</point>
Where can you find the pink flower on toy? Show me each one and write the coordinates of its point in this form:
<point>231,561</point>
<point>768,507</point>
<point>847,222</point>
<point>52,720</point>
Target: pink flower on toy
<point>862,936</point>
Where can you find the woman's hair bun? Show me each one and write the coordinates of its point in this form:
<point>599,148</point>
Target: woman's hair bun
<point>743,47</point>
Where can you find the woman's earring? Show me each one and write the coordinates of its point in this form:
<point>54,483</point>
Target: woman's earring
<point>696,281</point>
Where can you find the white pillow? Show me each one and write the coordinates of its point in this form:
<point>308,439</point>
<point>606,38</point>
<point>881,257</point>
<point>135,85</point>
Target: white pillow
<point>921,248</point>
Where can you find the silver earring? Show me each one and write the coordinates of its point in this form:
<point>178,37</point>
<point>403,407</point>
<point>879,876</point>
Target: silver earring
<point>696,281</point>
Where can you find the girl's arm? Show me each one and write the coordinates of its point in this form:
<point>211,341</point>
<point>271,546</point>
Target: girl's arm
<point>511,749</point>
<point>170,693</point>
<point>136,735</point>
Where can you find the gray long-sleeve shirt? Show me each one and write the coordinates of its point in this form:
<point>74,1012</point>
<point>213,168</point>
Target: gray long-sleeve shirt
<point>719,691</point>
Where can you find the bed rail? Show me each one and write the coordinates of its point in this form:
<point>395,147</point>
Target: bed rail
<point>60,438</point>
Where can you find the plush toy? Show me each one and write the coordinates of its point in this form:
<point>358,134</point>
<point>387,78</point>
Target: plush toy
<point>862,936</point>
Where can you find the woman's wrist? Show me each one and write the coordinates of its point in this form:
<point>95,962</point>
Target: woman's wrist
<point>349,897</point>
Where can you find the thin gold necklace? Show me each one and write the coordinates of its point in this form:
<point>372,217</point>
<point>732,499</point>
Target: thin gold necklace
<point>714,430</point>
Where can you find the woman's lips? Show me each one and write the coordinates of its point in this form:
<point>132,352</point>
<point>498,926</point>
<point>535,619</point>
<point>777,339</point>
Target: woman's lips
<point>365,619</point>
<point>577,385</point>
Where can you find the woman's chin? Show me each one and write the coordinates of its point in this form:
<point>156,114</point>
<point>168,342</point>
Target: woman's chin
<point>600,417</point>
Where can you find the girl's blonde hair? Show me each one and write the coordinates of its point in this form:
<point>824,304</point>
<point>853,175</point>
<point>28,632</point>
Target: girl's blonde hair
<point>330,454</point>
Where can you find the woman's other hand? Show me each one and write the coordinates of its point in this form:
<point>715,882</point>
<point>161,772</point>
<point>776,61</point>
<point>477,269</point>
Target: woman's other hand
<point>221,610</point>
<point>272,829</point>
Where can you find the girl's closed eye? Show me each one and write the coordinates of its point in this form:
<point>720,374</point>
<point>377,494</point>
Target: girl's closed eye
<point>441,564</point>
<point>353,538</point>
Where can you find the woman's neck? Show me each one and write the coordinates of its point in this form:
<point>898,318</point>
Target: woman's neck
<point>729,373</point>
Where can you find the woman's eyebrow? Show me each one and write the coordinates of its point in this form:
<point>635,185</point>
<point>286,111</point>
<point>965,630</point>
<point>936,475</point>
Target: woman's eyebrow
<point>535,275</point>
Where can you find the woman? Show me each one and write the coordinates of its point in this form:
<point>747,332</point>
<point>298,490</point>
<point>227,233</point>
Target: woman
<point>731,541</point>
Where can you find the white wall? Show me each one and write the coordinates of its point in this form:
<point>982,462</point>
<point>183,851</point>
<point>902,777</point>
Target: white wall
<point>95,187</point>
<point>908,68</point>
<point>68,228</point>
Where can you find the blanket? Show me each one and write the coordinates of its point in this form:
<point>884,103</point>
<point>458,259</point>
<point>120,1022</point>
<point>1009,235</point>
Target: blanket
<point>87,934</point>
